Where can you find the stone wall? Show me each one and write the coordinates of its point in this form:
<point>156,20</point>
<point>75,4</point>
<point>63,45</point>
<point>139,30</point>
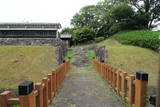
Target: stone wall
<point>100,51</point>
<point>61,52</point>
<point>30,41</point>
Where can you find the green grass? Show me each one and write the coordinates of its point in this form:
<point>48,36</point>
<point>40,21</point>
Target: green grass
<point>69,54</point>
<point>142,38</point>
<point>132,59</point>
<point>91,54</point>
<point>19,63</point>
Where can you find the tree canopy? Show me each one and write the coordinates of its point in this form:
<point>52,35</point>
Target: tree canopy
<point>148,10</point>
<point>108,17</point>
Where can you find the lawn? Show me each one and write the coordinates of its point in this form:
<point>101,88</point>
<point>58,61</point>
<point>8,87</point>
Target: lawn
<point>132,59</point>
<point>19,63</point>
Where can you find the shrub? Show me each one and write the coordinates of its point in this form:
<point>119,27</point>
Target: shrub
<point>83,35</point>
<point>142,38</point>
<point>99,39</point>
<point>114,28</point>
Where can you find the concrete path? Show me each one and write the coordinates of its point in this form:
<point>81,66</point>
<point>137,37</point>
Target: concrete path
<point>84,87</point>
<point>80,57</point>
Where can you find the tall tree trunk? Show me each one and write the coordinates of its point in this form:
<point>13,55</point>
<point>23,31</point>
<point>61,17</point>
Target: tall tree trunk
<point>158,86</point>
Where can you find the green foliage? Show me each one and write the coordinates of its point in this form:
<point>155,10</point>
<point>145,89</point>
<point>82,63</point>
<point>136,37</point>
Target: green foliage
<point>123,18</point>
<point>122,12</point>
<point>114,28</point>
<point>111,16</point>
<point>83,35</point>
<point>143,38</point>
<point>99,39</point>
<point>148,10</point>
<point>85,17</point>
<point>67,30</point>
<point>69,54</point>
<point>122,26</point>
<point>94,16</point>
<point>91,54</point>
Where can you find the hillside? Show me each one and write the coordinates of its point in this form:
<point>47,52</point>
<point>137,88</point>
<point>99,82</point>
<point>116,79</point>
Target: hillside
<point>19,63</point>
<point>132,59</point>
<point>141,38</point>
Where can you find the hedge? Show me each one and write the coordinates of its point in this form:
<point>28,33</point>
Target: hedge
<point>142,38</point>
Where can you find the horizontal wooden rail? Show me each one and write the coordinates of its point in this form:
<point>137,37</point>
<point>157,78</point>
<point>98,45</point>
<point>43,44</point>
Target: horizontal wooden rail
<point>42,93</point>
<point>133,89</point>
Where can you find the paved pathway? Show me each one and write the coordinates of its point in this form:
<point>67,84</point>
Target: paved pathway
<point>80,57</point>
<point>84,87</point>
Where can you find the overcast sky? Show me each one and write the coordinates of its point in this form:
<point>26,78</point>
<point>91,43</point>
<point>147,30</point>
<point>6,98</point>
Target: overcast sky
<point>41,10</point>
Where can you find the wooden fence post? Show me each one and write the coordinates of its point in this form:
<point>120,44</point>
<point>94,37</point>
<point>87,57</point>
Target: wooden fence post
<point>124,84</point>
<point>115,79</point>
<point>50,88</point>
<point>53,82</point>
<point>27,97</point>
<point>39,100</point>
<point>131,90</point>
<point>45,92</point>
<point>57,78</point>
<point>141,88</point>
<point>105,70</point>
<point>118,82</point>
<point>27,101</point>
<point>109,76</point>
<point>99,66</point>
<point>4,99</point>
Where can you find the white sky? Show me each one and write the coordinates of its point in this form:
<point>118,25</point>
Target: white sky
<point>41,10</point>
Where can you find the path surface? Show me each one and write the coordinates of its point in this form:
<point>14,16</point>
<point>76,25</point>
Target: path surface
<point>80,57</point>
<point>84,87</point>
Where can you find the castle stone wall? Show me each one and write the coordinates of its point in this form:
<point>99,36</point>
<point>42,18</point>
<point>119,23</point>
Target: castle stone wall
<point>30,41</point>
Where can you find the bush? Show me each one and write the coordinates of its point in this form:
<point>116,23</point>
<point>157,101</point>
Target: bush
<point>114,28</point>
<point>99,39</point>
<point>83,35</point>
<point>142,38</point>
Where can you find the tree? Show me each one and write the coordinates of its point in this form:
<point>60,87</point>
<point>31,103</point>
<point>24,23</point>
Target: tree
<point>85,17</point>
<point>122,12</point>
<point>147,11</point>
<point>96,17</point>
<point>67,30</point>
<point>122,16</point>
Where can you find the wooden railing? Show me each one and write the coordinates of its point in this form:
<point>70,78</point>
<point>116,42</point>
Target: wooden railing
<point>133,89</point>
<point>39,95</point>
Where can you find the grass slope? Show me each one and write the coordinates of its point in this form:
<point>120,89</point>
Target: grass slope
<point>131,59</point>
<point>19,63</point>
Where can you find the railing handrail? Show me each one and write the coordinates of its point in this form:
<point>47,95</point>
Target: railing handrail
<point>133,89</point>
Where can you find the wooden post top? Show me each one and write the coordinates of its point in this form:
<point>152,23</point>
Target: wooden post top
<point>141,75</point>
